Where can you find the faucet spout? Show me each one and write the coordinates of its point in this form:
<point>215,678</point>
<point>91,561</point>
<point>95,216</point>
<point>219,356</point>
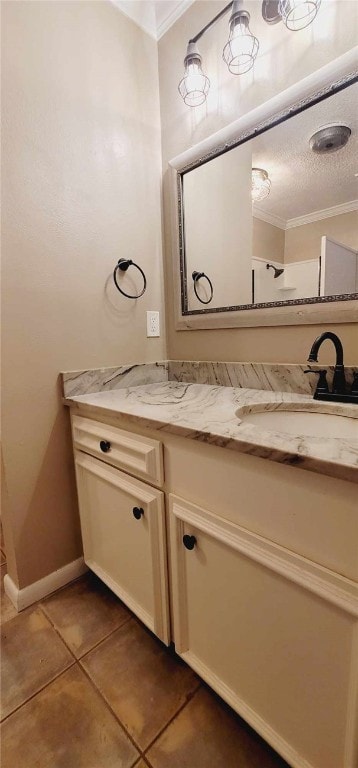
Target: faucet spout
<point>339,381</point>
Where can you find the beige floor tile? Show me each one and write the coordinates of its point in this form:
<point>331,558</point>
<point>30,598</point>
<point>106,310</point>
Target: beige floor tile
<point>8,611</point>
<point>207,734</point>
<point>67,725</point>
<point>85,613</point>
<point>32,655</point>
<point>144,683</point>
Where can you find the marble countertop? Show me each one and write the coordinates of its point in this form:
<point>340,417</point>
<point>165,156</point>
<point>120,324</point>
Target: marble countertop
<point>210,414</point>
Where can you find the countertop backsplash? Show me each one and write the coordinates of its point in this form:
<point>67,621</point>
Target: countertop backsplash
<point>266,376</point>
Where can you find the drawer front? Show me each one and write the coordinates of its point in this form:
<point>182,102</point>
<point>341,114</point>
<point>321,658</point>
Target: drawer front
<point>124,541</point>
<point>136,454</point>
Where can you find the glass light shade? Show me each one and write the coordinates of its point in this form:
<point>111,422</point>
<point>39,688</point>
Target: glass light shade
<point>298,14</point>
<point>242,47</point>
<point>194,86</point>
<point>260,184</point>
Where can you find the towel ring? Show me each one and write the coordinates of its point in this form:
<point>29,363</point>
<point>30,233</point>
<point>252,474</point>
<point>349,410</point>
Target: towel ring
<point>123,265</point>
<point>196,276</point>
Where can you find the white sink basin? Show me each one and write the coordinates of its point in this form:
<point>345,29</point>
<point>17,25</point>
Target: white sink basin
<point>304,423</point>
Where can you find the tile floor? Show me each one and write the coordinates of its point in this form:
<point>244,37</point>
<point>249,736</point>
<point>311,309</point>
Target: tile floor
<point>85,685</point>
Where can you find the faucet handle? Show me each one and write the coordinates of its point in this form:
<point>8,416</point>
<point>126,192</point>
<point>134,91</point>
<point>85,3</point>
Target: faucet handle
<point>354,388</point>
<point>322,385</point>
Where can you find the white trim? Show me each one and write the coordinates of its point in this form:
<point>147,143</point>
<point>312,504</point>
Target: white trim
<point>335,589</point>
<point>22,598</point>
<point>123,595</point>
<point>308,218</point>
<point>147,21</point>
<point>294,758</point>
<point>270,218</point>
<point>325,213</point>
<point>172,17</point>
<point>134,11</point>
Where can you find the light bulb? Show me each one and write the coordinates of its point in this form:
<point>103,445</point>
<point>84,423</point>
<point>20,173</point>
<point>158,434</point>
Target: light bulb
<point>242,47</point>
<point>298,14</point>
<point>260,184</point>
<point>194,86</point>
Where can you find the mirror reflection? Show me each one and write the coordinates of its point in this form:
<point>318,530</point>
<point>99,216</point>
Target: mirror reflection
<point>275,219</point>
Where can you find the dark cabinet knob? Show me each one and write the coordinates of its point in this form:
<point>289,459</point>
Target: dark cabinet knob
<point>105,446</point>
<point>138,512</point>
<point>189,541</point>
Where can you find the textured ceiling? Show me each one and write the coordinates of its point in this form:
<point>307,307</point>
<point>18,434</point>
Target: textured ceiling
<point>303,181</point>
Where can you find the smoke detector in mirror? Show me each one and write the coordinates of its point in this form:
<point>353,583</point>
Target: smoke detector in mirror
<point>330,138</point>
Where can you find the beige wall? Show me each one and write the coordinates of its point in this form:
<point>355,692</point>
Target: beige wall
<point>284,58</point>
<point>268,242</point>
<point>304,242</point>
<point>81,188</point>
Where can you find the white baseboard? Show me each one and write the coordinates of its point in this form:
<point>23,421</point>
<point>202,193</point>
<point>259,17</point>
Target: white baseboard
<point>22,598</point>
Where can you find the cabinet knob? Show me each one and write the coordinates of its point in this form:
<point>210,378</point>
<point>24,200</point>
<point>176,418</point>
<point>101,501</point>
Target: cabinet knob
<point>138,512</point>
<point>189,541</point>
<point>105,446</point>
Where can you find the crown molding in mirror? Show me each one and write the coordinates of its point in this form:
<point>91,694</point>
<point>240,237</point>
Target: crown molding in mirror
<point>338,74</point>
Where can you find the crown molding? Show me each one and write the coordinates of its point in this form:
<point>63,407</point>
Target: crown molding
<point>172,17</point>
<point>145,14</point>
<point>325,213</point>
<point>270,218</point>
<point>299,221</point>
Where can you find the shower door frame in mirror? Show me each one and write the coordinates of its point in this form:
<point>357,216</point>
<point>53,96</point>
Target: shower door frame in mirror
<point>323,83</point>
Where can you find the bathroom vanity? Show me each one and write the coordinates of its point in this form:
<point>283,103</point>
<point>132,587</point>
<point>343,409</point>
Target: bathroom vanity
<point>208,528</point>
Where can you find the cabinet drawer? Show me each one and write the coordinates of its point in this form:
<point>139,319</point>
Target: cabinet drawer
<point>124,541</point>
<point>136,454</point>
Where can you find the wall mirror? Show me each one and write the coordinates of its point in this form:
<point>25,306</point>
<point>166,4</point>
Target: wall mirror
<point>266,211</point>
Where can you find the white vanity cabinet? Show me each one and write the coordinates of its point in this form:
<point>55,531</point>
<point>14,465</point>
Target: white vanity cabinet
<point>262,564</point>
<point>123,518</point>
<point>271,632</point>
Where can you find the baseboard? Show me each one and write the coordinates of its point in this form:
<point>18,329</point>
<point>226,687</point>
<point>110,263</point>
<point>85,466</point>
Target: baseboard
<point>22,598</point>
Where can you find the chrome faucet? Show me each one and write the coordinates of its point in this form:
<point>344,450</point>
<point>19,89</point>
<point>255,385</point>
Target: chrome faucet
<point>339,386</point>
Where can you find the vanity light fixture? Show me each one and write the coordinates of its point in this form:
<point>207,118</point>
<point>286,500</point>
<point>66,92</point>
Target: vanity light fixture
<point>242,47</point>
<point>194,86</point>
<point>298,14</point>
<point>260,184</point>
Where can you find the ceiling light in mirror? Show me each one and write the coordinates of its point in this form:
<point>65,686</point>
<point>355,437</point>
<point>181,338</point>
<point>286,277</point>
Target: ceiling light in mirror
<point>194,86</point>
<point>260,185</point>
<point>298,14</point>
<point>242,47</point>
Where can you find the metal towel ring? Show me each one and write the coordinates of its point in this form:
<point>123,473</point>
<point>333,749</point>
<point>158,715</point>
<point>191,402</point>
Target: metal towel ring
<point>123,265</point>
<point>196,276</point>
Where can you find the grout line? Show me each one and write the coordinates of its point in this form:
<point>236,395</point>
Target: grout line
<point>130,618</point>
<point>77,658</point>
<point>109,707</point>
<point>179,711</point>
<point>41,607</point>
<point>33,695</point>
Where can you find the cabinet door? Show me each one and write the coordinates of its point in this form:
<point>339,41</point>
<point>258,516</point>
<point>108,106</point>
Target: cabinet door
<point>124,543</point>
<point>271,632</point>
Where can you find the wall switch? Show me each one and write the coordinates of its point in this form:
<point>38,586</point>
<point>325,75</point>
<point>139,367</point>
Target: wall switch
<point>153,327</point>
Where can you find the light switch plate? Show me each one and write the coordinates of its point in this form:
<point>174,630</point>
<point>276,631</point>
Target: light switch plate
<point>153,325</point>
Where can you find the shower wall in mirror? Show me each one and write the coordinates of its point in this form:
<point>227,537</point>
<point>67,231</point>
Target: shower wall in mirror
<point>285,232</point>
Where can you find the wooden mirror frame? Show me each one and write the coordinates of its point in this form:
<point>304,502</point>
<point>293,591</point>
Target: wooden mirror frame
<point>326,81</point>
